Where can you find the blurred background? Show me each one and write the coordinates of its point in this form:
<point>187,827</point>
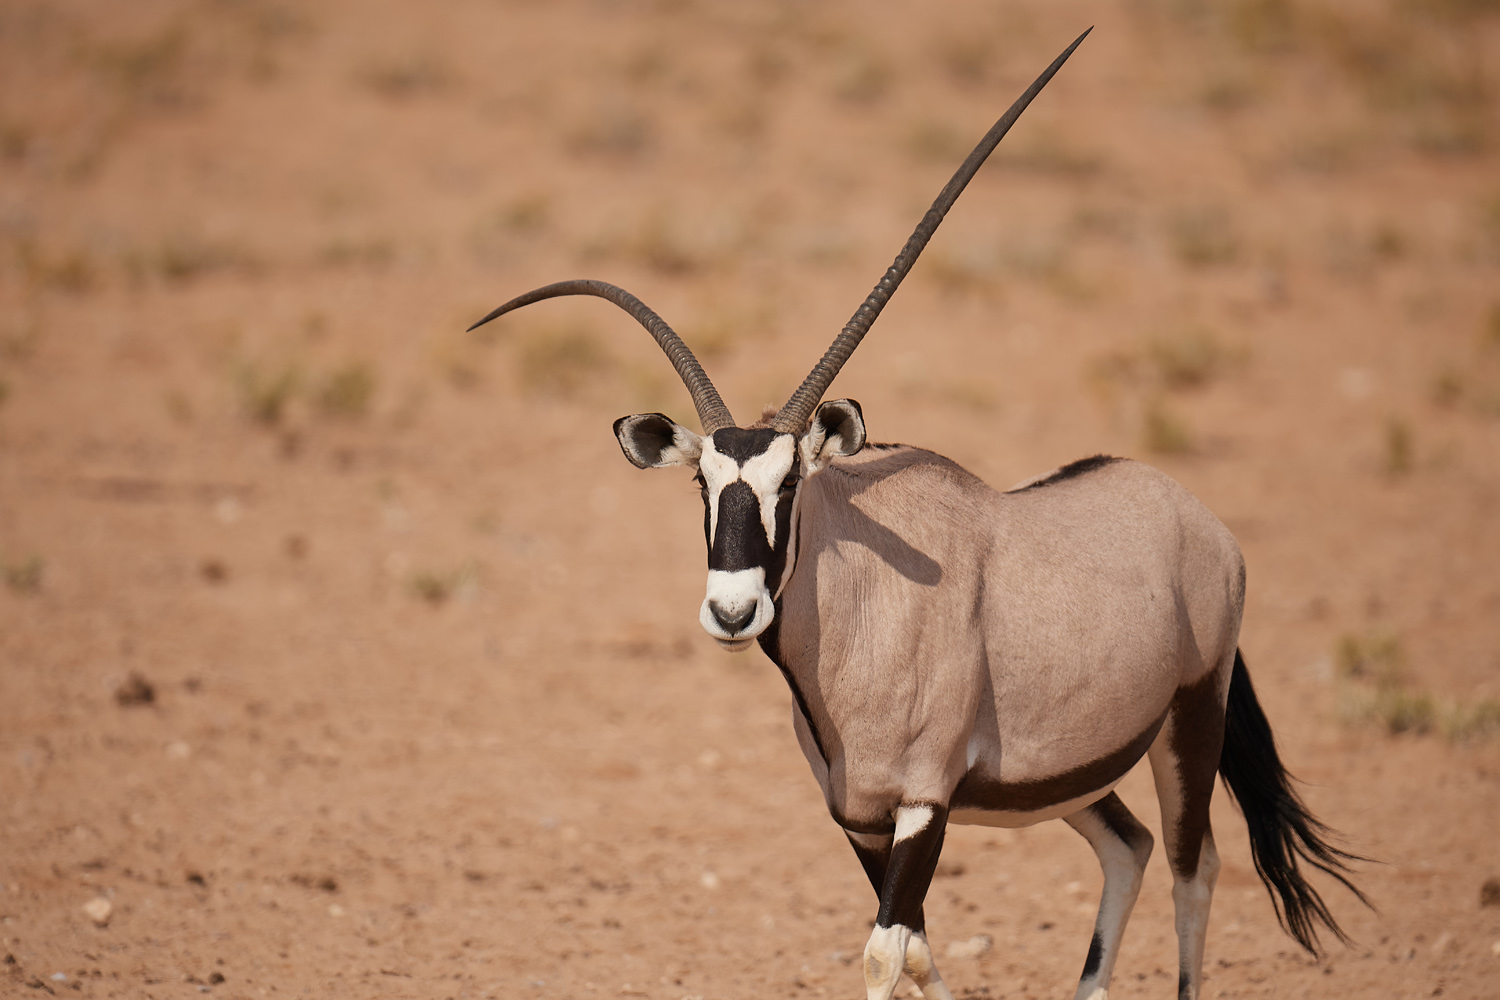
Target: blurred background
<point>341,654</point>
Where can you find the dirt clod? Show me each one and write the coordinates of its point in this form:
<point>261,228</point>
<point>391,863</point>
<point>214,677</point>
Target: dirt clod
<point>1489,893</point>
<point>135,690</point>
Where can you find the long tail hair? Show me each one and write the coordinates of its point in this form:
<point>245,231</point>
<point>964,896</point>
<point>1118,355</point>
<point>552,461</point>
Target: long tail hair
<point>1282,830</point>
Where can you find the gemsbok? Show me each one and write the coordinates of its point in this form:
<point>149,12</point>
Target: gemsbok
<point>961,655</point>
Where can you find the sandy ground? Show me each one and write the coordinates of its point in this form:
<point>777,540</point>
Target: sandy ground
<point>429,711</point>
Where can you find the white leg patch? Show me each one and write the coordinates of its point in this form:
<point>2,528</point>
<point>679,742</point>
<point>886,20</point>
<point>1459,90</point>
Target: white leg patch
<point>912,820</point>
<point>923,972</point>
<point>885,956</point>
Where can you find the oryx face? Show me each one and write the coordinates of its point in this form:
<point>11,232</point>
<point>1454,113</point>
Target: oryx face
<point>751,479</point>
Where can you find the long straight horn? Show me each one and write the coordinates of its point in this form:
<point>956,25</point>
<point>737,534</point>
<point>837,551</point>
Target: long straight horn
<point>712,412</point>
<point>793,416</point>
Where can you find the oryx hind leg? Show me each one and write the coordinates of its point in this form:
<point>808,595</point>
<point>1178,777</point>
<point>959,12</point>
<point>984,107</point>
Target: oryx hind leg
<point>900,867</point>
<point>1123,846</point>
<point>1184,764</point>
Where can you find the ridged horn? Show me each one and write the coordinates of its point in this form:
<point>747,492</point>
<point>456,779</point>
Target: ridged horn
<point>794,415</point>
<point>712,412</point>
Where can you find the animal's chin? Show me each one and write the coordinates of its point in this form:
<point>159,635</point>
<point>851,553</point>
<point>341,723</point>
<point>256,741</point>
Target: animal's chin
<point>734,645</point>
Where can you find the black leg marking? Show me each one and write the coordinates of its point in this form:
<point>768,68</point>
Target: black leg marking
<point>909,873</point>
<point>1197,740</point>
<point>1095,956</point>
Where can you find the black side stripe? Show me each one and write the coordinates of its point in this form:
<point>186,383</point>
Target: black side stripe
<point>770,644</point>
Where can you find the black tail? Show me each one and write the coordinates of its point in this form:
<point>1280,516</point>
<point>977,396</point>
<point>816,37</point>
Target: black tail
<point>1281,828</point>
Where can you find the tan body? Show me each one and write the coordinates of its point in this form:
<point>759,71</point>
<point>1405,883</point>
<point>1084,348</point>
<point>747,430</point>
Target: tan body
<point>971,622</point>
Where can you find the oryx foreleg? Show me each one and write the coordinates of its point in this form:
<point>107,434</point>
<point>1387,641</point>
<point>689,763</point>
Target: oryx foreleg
<point>900,866</point>
<point>1123,846</point>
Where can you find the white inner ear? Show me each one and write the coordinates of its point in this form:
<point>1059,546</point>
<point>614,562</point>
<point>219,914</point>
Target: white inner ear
<point>684,449</point>
<point>818,448</point>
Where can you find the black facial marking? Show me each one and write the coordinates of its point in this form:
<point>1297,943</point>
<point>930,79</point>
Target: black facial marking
<point>743,445</point>
<point>739,540</point>
<point>1070,471</point>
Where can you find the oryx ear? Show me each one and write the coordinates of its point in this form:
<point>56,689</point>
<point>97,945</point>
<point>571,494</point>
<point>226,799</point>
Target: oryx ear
<point>653,441</point>
<point>838,430</point>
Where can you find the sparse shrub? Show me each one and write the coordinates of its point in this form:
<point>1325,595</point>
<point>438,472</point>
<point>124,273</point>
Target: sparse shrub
<point>1489,332</point>
<point>966,56</point>
<point>347,391</point>
<point>437,587</point>
<point>69,270</point>
<point>1400,711</point>
<point>1165,432</point>
<point>1398,447</point>
<point>560,360</point>
<point>613,129</point>
<point>861,75</point>
<point>971,270</point>
<point>1446,388</point>
<point>1203,236</point>
<point>25,576</point>
<point>1377,658</point>
<point>935,141</point>
<point>1187,359</point>
<point>526,214</point>
<point>370,252</point>
<point>265,393</point>
<point>405,77</point>
<point>1049,154</point>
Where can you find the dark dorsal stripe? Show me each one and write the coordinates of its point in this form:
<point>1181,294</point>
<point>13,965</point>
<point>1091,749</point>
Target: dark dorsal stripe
<point>1070,471</point>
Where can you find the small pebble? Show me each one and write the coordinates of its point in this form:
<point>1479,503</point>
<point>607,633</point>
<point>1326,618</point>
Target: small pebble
<point>99,910</point>
<point>709,880</point>
<point>59,977</point>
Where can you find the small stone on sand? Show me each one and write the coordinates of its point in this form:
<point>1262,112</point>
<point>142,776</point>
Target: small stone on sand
<point>99,910</point>
<point>977,945</point>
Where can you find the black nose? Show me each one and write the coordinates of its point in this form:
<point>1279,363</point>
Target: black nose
<point>731,621</point>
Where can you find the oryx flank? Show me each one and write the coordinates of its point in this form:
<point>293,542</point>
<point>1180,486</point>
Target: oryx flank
<point>957,654</point>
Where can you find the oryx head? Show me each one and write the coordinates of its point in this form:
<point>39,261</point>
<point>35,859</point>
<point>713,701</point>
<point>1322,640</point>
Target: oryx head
<point>751,477</point>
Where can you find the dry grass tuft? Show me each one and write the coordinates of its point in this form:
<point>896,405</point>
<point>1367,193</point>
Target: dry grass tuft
<point>1189,358</point>
<point>1048,154</point>
<point>265,392</point>
<point>347,391</point>
<point>1164,431</point>
<point>613,129</point>
<point>560,360</point>
<point>437,587</point>
<point>24,576</point>
<point>72,269</point>
<point>1372,671</point>
<point>1397,457</point>
<point>400,78</point>
<point>1203,235</point>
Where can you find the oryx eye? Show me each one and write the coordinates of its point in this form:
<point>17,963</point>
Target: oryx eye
<point>790,482</point>
<point>702,483</point>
